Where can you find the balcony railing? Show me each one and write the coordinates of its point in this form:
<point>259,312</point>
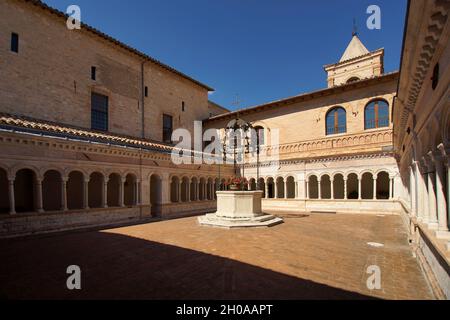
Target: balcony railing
<point>377,123</point>
<point>337,130</point>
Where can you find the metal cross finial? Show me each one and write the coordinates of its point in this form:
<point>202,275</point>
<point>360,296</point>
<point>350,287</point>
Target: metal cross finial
<point>355,29</point>
<point>236,102</point>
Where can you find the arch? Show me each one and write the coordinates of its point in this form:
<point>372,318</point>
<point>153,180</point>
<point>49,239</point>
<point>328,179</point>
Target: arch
<point>270,187</point>
<point>114,185</point>
<point>4,191</point>
<point>261,186</point>
<point>194,187</point>
<point>24,188</point>
<point>201,191</point>
<point>185,184</point>
<point>352,79</point>
<point>376,114</point>
<point>155,194</point>
<point>280,188</point>
<point>52,191</point>
<point>352,186</point>
<point>383,185</point>
<point>130,190</point>
<point>95,190</point>
<point>338,186</point>
<point>252,184</point>
<point>325,186</point>
<point>20,167</point>
<point>290,183</point>
<point>174,189</point>
<point>367,185</point>
<point>75,189</point>
<point>336,121</point>
<point>313,187</point>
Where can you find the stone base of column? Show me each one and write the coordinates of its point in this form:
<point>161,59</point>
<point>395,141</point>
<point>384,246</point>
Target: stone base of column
<point>442,235</point>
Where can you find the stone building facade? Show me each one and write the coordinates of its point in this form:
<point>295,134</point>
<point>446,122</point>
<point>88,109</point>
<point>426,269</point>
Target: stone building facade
<point>85,128</point>
<point>86,123</point>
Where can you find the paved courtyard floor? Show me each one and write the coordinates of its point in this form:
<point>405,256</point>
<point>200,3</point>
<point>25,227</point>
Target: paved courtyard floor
<point>308,257</point>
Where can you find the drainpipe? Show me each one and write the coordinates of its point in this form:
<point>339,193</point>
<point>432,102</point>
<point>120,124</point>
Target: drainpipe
<point>142,100</point>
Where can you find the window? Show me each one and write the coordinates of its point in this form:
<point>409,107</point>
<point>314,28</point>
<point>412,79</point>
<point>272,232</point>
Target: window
<point>182,106</point>
<point>376,115</point>
<point>260,135</point>
<point>146,91</point>
<point>336,121</point>
<point>167,128</point>
<point>352,79</point>
<point>93,73</point>
<point>14,42</point>
<point>99,112</point>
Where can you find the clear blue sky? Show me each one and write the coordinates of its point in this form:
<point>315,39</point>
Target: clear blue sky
<point>262,50</point>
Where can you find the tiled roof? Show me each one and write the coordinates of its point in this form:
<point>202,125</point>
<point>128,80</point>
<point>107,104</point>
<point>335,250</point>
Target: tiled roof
<point>44,6</point>
<point>307,96</point>
<point>26,124</point>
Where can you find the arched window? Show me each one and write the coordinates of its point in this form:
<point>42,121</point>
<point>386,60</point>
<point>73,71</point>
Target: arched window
<point>352,79</point>
<point>336,121</point>
<point>260,133</point>
<point>376,115</point>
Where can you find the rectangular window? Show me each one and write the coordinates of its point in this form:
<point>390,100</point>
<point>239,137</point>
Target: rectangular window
<point>182,106</point>
<point>167,128</point>
<point>146,91</point>
<point>93,73</point>
<point>14,42</point>
<point>99,112</point>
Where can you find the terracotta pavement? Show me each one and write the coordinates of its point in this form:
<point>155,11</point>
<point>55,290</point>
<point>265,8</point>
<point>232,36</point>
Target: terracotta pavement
<point>317,256</point>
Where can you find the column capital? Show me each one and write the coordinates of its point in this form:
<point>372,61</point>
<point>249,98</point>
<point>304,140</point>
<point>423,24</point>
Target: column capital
<point>445,152</point>
<point>435,157</point>
<point>123,179</point>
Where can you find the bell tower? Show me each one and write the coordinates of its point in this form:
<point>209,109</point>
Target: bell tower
<point>356,63</point>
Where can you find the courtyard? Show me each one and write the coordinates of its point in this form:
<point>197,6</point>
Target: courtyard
<point>310,256</point>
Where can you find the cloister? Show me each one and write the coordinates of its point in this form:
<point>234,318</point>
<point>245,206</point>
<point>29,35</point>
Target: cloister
<point>52,189</point>
<point>365,185</point>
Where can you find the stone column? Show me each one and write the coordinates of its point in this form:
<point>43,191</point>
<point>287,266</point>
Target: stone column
<point>432,209</point>
<point>345,188</point>
<point>412,183</point>
<point>296,189</point>
<point>266,185</point>
<point>64,193</point>
<point>105,193</point>
<point>359,189</point>
<point>121,192</point>
<point>420,192</point>
<point>441,202</point>
<point>391,188</point>
<point>197,191</point>
<point>12,201</point>
<point>374,188</point>
<point>179,190</point>
<point>138,192</point>
<point>39,208</point>
<point>332,187</point>
<point>275,187</point>
<point>285,189</point>
<point>319,189</point>
<point>189,191</point>
<point>86,193</point>
<point>307,189</point>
